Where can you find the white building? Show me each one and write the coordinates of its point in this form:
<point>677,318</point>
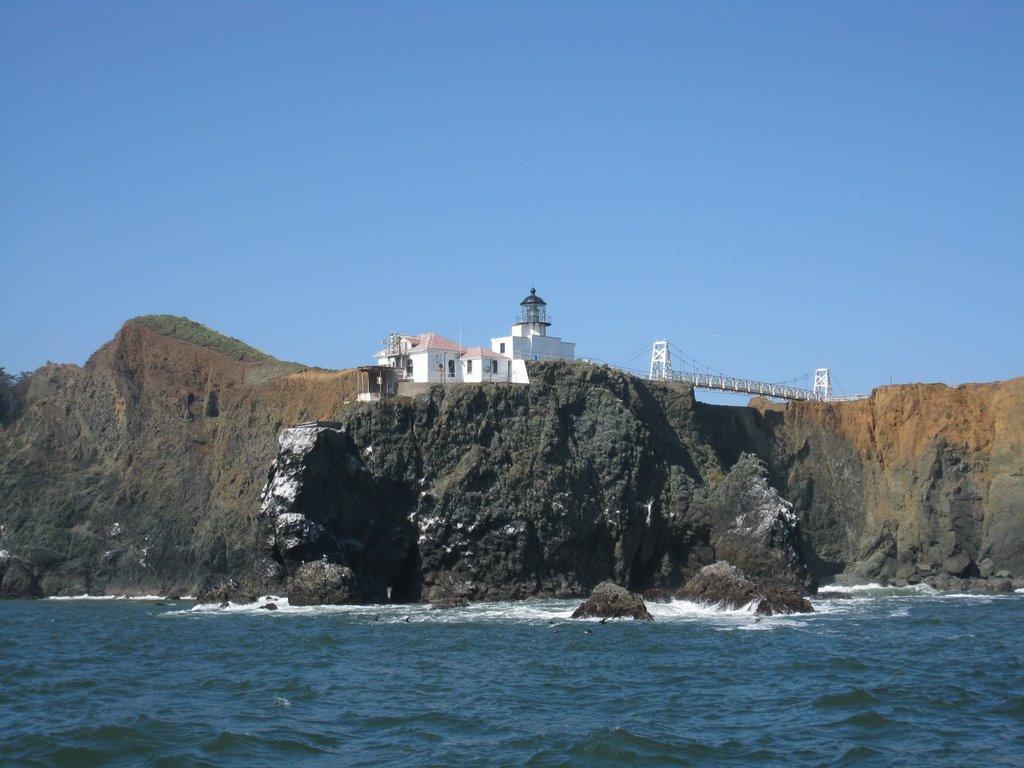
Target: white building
<point>529,339</point>
<point>430,358</point>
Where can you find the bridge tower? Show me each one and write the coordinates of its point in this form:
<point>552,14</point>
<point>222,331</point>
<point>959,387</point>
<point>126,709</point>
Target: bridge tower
<point>661,361</point>
<point>822,383</point>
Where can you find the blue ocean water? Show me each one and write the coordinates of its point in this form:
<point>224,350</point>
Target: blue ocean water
<point>886,678</point>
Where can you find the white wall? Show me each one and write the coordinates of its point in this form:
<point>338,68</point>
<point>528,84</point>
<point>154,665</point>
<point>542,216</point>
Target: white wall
<point>482,370</point>
<point>425,366</point>
<point>519,374</point>
<point>534,347</point>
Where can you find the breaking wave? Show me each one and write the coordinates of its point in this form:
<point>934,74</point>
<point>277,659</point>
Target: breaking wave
<point>149,598</point>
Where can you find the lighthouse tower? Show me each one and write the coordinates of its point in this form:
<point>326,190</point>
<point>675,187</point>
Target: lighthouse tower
<point>532,319</point>
<point>530,339</point>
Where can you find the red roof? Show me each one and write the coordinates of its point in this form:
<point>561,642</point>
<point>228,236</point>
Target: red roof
<point>474,352</point>
<point>427,341</point>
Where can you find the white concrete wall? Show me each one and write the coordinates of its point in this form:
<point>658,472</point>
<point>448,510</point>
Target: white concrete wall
<point>519,374</point>
<point>534,347</point>
<point>482,370</point>
<point>431,366</point>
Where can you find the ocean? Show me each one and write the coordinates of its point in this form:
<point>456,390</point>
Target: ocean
<point>889,678</point>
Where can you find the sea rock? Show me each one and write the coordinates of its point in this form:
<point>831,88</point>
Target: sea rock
<point>331,531</point>
<point>449,601</point>
<point>755,528</point>
<point>726,585</point>
<point>783,600</point>
<point>323,583</point>
<point>721,584</point>
<point>610,601</point>
<point>17,577</point>
<point>269,606</point>
<point>227,591</point>
<point>656,595</point>
<point>959,564</point>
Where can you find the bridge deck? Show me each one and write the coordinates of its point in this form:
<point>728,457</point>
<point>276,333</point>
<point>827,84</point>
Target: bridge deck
<point>750,387</point>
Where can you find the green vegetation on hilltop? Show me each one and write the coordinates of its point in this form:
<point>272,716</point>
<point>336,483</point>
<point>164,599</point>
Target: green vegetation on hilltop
<point>183,329</point>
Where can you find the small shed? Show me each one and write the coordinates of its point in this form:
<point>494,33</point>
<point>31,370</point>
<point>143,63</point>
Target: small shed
<point>376,382</point>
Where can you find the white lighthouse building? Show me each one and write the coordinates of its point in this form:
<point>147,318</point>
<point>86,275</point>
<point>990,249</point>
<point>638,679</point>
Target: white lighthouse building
<point>529,339</point>
<point>430,358</point>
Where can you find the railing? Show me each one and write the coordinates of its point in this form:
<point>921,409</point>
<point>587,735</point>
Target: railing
<point>524,318</point>
<point>745,386</point>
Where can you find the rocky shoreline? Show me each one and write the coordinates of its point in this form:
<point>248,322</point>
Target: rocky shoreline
<point>146,471</point>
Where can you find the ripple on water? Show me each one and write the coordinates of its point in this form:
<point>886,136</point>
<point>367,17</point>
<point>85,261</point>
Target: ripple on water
<point>855,697</point>
<point>120,683</point>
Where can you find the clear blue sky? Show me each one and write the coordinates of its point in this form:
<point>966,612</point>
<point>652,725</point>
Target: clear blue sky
<point>772,186</point>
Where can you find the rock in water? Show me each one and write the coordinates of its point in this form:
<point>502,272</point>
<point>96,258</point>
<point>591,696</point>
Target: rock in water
<point>726,585</point>
<point>336,537</point>
<point>228,592</point>
<point>754,527</point>
<point>720,584</point>
<point>450,601</point>
<point>783,600</point>
<point>610,601</point>
<point>322,583</point>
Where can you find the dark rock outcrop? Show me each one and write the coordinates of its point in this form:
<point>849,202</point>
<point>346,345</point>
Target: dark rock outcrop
<point>140,471</point>
<point>17,577</point>
<point>610,601</point>
<point>727,586</point>
<point>323,583</point>
<point>452,601</point>
<point>755,528</point>
<point>228,591</point>
<point>333,529</point>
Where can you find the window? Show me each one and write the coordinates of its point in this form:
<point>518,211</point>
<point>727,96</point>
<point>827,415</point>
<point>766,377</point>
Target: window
<point>469,366</point>
<point>494,366</point>
<point>451,369</point>
<point>501,347</point>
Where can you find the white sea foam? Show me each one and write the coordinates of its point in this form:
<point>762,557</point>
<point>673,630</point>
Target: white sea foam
<point>553,613</point>
<point>685,609</point>
<point>879,590</point>
<point>108,597</point>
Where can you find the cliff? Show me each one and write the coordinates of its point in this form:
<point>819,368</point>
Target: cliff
<point>145,470</point>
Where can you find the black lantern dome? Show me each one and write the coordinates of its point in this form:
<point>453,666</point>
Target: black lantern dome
<point>534,310</point>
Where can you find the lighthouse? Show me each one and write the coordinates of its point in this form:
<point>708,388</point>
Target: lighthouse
<point>529,339</point>
<point>532,319</point>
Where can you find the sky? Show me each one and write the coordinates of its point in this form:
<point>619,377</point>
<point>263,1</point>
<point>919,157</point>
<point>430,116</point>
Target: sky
<point>772,187</point>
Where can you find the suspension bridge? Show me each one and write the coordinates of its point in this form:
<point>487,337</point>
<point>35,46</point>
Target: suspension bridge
<point>818,385</point>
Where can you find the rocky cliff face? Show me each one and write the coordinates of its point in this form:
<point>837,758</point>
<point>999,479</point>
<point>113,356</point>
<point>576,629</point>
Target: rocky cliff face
<point>146,470</point>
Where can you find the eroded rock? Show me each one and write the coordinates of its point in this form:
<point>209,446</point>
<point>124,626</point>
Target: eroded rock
<point>610,601</point>
<point>322,583</point>
<point>228,591</point>
<point>727,586</point>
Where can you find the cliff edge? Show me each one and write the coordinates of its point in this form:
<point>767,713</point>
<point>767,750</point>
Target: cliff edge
<point>146,470</point>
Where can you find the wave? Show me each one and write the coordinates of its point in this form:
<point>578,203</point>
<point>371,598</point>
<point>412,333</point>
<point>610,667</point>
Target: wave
<point>546,612</point>
<point>150,598</point>
<point>878,590</point>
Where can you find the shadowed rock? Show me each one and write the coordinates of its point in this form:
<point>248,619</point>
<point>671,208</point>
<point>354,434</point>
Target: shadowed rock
<point>610,601</point>
<point>322,583</point>
<point>227,592</point>
<point>726,585</point>
<point>450,601</point>
<point>17,577</point>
